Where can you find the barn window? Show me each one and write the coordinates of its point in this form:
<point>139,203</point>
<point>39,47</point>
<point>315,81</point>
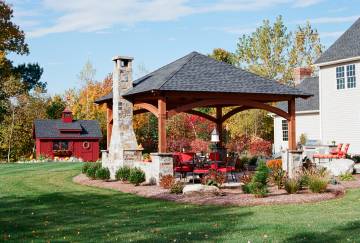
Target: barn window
<point>60,145</point>
<point>285,130</point>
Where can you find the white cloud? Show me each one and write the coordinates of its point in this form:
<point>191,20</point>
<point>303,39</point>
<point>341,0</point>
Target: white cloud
<point>306,3</point>
<point>94,15</point>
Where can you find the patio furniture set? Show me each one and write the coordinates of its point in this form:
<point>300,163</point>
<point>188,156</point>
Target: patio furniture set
<point>201,165</point>
<point>339,153</point>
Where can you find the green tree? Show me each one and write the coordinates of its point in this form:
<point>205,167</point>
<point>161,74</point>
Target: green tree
<point>55,107</point>
<point>272,51</point>
<point>12,40</point>
<point>223,56</point>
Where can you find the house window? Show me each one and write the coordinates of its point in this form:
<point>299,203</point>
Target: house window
<point>340,77</point>
<point>350,73</point>
<point>285,130</point>
<point>60,145</point>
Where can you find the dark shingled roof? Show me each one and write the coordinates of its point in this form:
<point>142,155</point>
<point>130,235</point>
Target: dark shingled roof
<point>347,46</point>
<point>197,72</point>
<point>310,85</point>
<point>50,129</point>
<point>69,126</point>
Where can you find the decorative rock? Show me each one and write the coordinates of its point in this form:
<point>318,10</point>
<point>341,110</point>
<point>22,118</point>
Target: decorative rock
<point>232,185</point>
<point>340,166</point>
<point>357,168</point>
<point>199,188</point>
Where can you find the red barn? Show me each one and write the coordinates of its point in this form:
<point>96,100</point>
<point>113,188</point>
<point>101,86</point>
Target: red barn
<point>66,137</point>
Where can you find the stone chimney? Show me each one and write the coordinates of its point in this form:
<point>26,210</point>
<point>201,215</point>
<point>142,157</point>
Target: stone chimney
<point>123,137</point>
<point>301,73</point>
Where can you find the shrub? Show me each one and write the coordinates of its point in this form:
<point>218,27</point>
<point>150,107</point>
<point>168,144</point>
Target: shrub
<point>167,181</point>
<point>241,163</point>
<point>259,146</point>
<point>258,184</point>
<point>246,179</point>
<point>312,173</point>
<point>177,187</point>
<point>246,188</point>
<point>146,157</point>
<point>277,174</point>
<point>102,174</point>
<point>346,177</point>
<point>318,184</point>
<point>213,178</point>
<point>123,173</point>
<point>85,167</point>
<point>355,158</point>
<point>137,176</point>
<point>292,186</point>
<point>253,160</point>
<point>91,171</point>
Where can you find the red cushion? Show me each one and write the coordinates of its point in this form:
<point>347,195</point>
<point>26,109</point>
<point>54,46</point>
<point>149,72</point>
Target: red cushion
<point>184,168</point>
<point>201,171</point>
<point>226,169</point>
<point>186,157</point>
<point>214,156</point>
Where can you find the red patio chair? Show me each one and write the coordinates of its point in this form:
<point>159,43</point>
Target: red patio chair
<point>230,167</point>
<point>343,153</point>
<point>182,167</point>
<point>214,156</point>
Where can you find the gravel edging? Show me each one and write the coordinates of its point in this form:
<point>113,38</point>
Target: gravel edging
<point>231,197</point>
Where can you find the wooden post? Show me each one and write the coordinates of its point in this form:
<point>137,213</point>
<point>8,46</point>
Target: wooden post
<point>219,123</point>
<point>162,125</point>
<point>292,124</point>
<point>109,117</point>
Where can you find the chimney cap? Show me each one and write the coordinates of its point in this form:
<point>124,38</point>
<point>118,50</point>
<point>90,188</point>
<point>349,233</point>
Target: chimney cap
<point>115,58</point>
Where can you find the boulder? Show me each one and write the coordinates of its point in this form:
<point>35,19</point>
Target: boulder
<point>199,188</point>
<point>340,166</point>
<point>357,168</point>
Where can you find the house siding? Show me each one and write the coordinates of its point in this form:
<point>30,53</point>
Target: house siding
<point>308,124</point>
<point>340,109</point>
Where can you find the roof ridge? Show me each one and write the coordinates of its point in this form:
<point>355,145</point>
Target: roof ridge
<point>143,78</point>
<point>194,53</point>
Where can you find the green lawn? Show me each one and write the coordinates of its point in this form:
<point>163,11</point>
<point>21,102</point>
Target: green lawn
<point>39,202</point>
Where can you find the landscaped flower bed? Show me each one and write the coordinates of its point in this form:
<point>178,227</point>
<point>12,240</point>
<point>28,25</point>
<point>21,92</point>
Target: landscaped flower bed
<point>228,196</point>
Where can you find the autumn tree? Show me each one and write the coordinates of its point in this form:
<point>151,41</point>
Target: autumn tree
<point>272,51</point>
<point>81,102</point>
<point>223,56</point>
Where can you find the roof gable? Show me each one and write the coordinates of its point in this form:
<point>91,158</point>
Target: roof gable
<point>347,46</point>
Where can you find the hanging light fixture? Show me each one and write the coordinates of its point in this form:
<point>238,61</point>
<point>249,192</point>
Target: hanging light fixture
<point>215,136</point>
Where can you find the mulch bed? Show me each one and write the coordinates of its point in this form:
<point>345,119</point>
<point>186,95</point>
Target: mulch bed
<point>233,197</point>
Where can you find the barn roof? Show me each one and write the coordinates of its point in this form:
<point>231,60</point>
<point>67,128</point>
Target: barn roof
<point>51,129</point>
<point>196,72</point>
<point>347,46</point>
<point>310,85</point>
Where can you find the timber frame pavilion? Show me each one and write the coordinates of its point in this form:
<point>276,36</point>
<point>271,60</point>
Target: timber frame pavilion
<point>196,80</point>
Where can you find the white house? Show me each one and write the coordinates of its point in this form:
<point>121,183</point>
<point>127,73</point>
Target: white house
<point>333,113</point>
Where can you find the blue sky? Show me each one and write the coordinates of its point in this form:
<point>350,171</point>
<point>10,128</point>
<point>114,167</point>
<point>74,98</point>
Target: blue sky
<point>63,35</point>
